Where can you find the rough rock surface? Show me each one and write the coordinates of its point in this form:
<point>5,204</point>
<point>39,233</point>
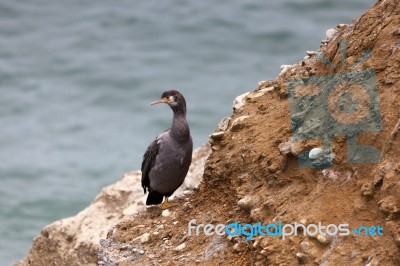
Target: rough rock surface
<point>252,175</point>
<point>76,240</point>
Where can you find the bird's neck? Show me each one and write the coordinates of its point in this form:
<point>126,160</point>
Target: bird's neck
<point>180,128</point>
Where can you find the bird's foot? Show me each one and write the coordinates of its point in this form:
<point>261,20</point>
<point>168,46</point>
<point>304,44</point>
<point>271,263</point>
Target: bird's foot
<point>166,204</point>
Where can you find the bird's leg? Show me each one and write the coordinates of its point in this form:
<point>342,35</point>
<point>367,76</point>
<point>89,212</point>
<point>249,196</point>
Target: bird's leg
<point>166,204</point>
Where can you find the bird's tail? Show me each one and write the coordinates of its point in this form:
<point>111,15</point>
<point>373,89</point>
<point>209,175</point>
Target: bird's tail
<point>154,198</point>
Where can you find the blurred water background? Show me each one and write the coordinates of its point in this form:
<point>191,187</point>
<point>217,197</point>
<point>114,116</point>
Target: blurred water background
<point>77,77</point>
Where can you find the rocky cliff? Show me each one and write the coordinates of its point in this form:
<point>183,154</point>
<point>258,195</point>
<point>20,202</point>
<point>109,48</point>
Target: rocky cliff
<point>76,240</point>
<point>343,103</point>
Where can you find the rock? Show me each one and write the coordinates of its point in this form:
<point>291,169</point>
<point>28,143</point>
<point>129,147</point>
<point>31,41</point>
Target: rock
<point>257,214</point>
<point>309,249</point>
<point>389,205</point>
<point>240,101</point>
<point>264,253</point>
<point>123,247</point>
<point>180,247</point>
<point>165,213</point>
<point>372,261</point>
<point>217,136</point>
<point>397,241</point>
<point>284,69</point>
<point>247,203</point>
<point>224,123</point>
<point>324,240</point>
<point>329,173</point>
<point>305,246</point>
<point>285,148</point>
<point>290,147</point>
<point>256,244</point>
<point>144,238</point>
<point>312,53</point>
<point>237,248</point>
<point>274,167</point>
<point>396,32</point>
<point>262,82</point>
<point>367,189</point>
<point>187,192</point>
<point>378,179</point>
<point>131,210</point>
<point>260,93</point>
<point>105,243</point>
<point>238,123</point>
<point>330,33</point>
<point>301,257</point>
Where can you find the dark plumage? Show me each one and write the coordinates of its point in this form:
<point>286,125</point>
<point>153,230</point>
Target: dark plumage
<point>167,159</point>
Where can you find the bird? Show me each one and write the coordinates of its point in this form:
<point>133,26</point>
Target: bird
<point>167,159</point>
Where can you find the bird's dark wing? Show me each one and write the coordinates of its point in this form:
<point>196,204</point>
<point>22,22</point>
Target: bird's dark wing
<point>149,159</point>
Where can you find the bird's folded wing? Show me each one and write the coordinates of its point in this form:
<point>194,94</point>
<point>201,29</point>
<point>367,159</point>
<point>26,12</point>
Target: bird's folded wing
<point>149,159</point>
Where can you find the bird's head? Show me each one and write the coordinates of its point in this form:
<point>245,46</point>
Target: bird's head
<point>173,98</point>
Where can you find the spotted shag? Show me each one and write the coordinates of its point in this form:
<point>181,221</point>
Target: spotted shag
<point>167,159</point>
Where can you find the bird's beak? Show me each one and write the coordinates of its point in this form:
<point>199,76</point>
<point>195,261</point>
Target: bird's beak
<point>163,100</point>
